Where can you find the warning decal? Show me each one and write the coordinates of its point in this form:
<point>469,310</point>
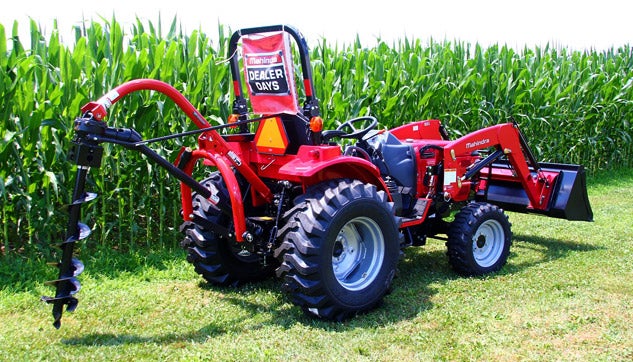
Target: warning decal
<point>266,73</point>
<point>268,69</point>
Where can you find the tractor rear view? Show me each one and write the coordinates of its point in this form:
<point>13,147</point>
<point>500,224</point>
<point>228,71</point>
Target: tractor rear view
<point>283,197</point>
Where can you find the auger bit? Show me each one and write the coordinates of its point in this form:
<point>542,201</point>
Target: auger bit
<point>85,152</point>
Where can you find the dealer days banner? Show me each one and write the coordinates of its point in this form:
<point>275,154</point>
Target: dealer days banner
<point>269,73</point>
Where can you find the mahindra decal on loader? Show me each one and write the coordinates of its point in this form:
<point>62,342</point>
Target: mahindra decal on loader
<point>283,198</point>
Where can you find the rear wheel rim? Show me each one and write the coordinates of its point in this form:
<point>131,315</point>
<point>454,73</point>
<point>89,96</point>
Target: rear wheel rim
<point>358,253</point>
<point>488,243</point>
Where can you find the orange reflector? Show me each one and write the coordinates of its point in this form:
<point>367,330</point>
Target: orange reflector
<point>233,118</point>
<point>271,137</point>
<point>316,124</point>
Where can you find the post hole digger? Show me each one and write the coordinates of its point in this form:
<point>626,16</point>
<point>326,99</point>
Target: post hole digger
<point>283,197</point>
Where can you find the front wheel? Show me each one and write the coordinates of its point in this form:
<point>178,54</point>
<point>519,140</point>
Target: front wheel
<point>479,239</point>
<point>339,250</point>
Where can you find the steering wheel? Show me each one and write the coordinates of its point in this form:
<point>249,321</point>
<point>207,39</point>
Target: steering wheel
<point>354,128</point>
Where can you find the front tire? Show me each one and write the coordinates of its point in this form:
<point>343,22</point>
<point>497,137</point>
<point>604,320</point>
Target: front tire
<point>339,250</point>
<point>479,239</point>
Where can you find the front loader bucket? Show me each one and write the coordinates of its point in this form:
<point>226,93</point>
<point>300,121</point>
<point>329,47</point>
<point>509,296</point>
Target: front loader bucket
<point>569,198</point>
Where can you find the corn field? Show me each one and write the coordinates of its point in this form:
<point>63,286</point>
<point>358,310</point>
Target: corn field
<point>574,107</point>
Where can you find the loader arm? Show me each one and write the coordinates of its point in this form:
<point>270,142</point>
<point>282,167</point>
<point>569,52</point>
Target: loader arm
<point>508,141</point>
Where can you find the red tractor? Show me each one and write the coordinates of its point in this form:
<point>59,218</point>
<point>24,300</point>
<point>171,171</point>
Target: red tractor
<point>283,197</point>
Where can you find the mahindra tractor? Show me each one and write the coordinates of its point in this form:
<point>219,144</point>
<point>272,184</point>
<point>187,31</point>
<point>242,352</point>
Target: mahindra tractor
<point>328,212</point>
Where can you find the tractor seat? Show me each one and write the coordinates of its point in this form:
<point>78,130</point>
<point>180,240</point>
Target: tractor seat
<point>394,158</point>
<point>297,127</point>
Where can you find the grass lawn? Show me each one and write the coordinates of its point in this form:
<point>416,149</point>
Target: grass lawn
<point>565,294</point>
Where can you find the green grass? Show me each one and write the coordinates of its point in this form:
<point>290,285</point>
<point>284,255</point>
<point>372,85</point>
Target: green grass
<point>564,295</point>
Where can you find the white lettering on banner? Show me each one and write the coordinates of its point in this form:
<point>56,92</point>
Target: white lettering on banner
<point>266,74</point>
<point>267,86</point>
<point>256,60</point>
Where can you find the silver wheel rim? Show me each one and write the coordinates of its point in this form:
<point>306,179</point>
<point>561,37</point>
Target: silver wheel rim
<point>358,253</point>
<point>488,243</point>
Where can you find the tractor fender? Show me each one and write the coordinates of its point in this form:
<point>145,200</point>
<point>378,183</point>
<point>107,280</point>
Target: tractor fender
<point>315,164</point>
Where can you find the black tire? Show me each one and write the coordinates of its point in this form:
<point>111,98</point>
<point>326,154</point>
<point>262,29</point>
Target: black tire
<point>215,257</point>
<point>479,239</point>
<point>340,246</point>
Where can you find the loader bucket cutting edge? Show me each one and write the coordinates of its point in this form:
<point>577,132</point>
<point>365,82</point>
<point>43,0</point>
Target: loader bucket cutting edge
<point>569,198</point>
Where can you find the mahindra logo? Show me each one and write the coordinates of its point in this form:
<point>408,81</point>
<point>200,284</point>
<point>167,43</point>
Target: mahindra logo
<point>477,143</point>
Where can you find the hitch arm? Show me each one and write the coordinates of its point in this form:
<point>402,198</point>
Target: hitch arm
<point>98,111</point>
<point>99,108</point>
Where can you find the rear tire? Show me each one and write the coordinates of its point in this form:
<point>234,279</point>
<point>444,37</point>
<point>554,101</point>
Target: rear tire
<point>479,239</point>
<point>339,250</point>
<point>215,257</point>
